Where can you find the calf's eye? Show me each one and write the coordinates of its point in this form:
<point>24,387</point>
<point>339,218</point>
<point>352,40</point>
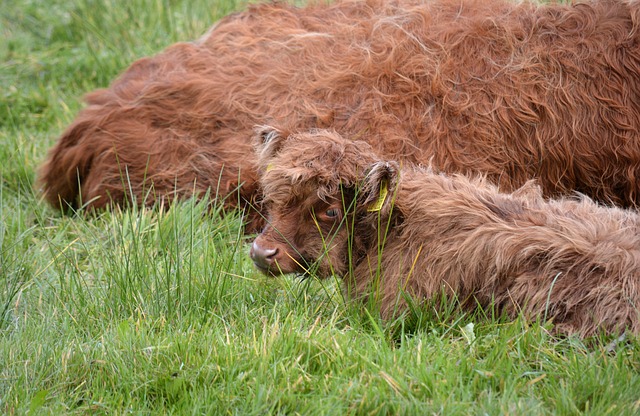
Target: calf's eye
<point>329,215</point>
<point>332,213</point>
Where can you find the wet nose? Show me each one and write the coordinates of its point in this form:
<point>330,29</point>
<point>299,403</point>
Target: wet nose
<point>262,257</point>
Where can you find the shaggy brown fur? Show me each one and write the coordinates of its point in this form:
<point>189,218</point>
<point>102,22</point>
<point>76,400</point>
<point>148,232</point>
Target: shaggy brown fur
<point>571,261</point>
<point>514,91</point>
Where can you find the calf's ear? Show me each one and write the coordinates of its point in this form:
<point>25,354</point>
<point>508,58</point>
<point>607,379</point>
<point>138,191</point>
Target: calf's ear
<point>267,142</point>
<point>379,187</point>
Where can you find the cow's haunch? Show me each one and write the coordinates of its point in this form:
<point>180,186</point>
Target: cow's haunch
<point>512,91</point>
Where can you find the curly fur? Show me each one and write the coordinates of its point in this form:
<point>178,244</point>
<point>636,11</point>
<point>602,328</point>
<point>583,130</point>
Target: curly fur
<point>569,260</point>
<point>513,91</point>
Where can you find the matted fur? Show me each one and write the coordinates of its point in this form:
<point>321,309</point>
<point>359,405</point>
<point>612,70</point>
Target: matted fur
<point>569,260</point>
<point>513,91</point>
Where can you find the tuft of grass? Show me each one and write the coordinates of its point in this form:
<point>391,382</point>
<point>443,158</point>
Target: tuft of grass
<point>160,311</point>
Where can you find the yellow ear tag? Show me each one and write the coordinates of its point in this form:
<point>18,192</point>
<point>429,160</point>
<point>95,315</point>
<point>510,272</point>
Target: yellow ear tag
<point>270,166</point>
<point>381,198</point>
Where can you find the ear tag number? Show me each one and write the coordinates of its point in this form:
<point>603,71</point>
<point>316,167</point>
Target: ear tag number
<point>376,206</point>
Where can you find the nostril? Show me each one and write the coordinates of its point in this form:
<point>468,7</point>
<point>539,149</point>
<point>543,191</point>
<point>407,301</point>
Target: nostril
<point>263,252</point>
<point>269,254</point>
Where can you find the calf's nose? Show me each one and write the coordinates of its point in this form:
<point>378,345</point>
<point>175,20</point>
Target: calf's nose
<point>262,257</point>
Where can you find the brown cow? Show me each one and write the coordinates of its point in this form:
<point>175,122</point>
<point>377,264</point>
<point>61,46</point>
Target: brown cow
<point>391,230</point>
<point>512,91</point>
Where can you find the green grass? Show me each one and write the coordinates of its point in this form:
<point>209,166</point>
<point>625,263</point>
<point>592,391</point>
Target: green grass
<point>149,312</point>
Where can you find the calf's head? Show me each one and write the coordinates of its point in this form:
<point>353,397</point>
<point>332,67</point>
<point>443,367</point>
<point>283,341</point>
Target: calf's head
<point>318,187</point>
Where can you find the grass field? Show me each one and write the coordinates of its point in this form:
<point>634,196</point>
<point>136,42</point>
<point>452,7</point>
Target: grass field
<point>162,312</point>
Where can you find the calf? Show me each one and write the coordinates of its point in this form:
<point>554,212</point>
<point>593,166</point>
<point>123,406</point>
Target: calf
<point>334,208</point>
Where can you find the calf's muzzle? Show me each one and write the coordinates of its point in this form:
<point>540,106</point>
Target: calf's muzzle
<point>263,257</point>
